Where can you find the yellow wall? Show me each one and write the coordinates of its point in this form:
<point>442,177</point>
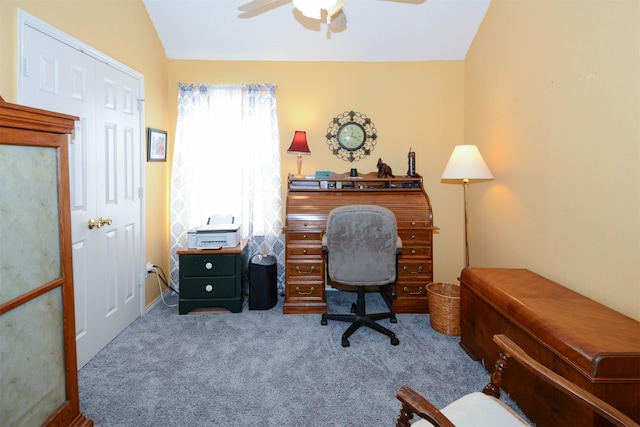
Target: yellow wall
<point>549,92</point>
<point>552,98</point>
<point>122,30</point>
<point>417,105</point>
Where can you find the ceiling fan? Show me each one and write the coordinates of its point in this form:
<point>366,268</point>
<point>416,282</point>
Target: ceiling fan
<point>328,11</point>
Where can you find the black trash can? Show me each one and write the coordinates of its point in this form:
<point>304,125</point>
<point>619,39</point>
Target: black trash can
<point>263,282</point>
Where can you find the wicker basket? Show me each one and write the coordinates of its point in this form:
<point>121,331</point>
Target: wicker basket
<point>444,307</point>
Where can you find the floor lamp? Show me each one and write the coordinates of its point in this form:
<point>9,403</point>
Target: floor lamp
<point>466,163</point>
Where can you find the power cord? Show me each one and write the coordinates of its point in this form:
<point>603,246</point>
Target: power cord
<point>161,276</point>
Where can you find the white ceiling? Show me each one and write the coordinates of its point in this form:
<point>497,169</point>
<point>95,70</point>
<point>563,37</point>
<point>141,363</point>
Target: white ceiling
<point>376,30</point>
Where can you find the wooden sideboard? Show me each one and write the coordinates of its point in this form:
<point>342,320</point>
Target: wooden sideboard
<point>38,372</point>
<point>309,201</point>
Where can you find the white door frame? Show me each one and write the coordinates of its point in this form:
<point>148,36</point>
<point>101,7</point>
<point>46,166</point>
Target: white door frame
<point>25,19</point>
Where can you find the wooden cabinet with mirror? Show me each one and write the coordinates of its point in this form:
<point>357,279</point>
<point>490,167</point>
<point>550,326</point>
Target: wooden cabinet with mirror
<point>38,370</point>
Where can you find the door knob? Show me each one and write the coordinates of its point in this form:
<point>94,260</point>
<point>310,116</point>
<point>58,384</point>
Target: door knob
<point>104,221</point>
<point>97,224</point>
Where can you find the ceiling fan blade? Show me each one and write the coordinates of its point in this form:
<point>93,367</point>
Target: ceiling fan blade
<point>335,9</point>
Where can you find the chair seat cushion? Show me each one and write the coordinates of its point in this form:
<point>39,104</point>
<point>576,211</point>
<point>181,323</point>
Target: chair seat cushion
<point>478,409</point>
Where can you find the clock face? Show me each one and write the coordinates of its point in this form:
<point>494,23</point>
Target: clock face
<point>351,136</point>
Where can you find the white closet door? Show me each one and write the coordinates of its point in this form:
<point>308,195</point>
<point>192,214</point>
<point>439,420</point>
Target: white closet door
<point>105,173</point>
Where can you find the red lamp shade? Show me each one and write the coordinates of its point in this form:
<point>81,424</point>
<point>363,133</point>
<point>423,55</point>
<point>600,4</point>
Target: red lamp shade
<point>299,143</point>
<point>299,146</point>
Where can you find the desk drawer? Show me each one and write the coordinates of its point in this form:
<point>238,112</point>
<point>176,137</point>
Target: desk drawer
<point>207,265</point>
<point>414,222</point>
<point>304,236</point>
<point>305,269</point>
<point>300,250</point>
<point>320,223</point>
<point>209,288</point>
<point>417,236</point>
<point>412,290</point>
<point>305,291</point>
<point>414,269</point>
<point>409,252</point>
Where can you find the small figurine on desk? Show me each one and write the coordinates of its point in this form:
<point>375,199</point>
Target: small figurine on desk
<point>384,170</point>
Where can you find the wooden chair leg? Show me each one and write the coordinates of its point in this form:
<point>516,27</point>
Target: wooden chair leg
<point>493,388</point>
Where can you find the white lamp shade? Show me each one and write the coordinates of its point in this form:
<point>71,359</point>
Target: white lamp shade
<point>466,162</point>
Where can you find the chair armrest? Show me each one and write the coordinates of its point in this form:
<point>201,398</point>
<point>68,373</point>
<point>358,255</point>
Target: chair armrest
<point>599,406</point>
<point>414,403</point>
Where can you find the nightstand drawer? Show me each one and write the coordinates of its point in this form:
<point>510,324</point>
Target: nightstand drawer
<point>208,265</point>
<point>218,287</point>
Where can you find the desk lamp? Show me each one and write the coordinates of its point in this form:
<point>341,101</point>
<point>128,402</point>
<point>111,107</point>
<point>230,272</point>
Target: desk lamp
<point>466,163</point>
<point>299,146</point>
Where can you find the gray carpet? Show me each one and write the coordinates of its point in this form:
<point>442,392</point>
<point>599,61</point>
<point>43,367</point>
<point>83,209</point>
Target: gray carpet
<point>262,368</point>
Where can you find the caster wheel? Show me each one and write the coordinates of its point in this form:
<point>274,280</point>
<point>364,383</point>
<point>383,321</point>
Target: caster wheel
<point>323,321</point>
<point>395,341</point>
<point>345,342</point>
<point>393,319</point>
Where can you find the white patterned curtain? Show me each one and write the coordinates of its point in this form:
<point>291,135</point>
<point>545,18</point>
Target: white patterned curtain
<point>227,160</point>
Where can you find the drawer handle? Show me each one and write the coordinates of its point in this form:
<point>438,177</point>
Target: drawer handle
<point>413,251</point>
<point>406,290</point>
<point>306,224</point>
<point>311,270</point>
<point>304,236</point>
<point>304,251</point>
<point>208,265</point>
<point>413,236</point>
<point>413,223</point>
<point>209,288</point>
<point>406,270</point>
<point>311,291</point>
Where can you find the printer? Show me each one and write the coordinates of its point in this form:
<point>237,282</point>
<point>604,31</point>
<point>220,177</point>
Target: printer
<point>220,231</point>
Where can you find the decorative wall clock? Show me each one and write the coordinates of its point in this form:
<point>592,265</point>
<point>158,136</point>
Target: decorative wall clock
<point>351,136</point>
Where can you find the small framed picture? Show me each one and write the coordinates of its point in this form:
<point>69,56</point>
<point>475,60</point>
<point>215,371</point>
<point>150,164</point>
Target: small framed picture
<point>156,145</point>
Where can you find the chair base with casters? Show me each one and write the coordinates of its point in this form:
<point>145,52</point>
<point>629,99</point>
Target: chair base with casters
<point>361,247</point>
<point>359,317</point>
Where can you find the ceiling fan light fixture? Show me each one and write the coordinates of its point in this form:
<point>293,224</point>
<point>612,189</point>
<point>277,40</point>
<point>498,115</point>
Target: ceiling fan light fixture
<point>313,8</point>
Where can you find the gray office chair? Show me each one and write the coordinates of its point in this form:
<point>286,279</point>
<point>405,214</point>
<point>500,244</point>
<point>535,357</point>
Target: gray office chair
<point>362,245</point>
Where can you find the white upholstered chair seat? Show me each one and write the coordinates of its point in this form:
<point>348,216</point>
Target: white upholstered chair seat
<point>478,410</point>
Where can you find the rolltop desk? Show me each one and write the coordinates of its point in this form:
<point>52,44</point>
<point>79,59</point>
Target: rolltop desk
<point>309,201</point>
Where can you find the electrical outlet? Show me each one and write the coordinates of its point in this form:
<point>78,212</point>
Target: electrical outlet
<point>149,268</point>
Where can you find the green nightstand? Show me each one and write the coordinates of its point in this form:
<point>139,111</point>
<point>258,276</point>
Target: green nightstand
<point>211,278</point>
